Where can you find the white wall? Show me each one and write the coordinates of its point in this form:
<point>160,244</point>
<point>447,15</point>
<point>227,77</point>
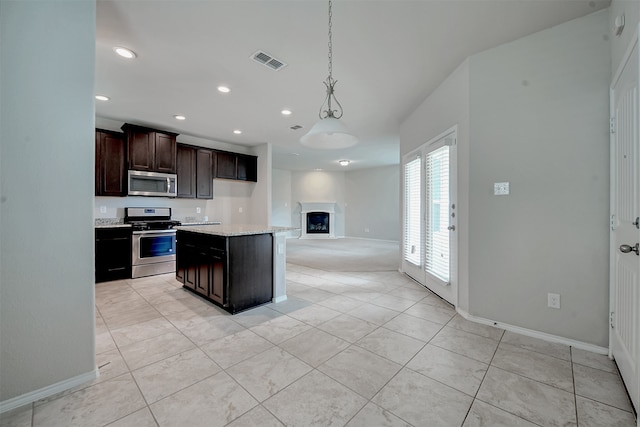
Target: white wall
<point>319,186</point>
<point>46,183</point>
<point>448,106</point>
<point>372,197</point>
<point>539,119</point>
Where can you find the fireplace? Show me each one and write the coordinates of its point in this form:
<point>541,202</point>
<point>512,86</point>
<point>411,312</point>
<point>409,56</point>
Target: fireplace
<point>318,222</point>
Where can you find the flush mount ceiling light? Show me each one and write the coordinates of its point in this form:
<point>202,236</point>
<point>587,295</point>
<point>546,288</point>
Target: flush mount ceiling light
<point>224,89</point>
<point>102,98</point>
<point>344,162</point>
<point>179,117</point>
<point>329,132</point>
<point>237,131</point>
<point>124,52</point>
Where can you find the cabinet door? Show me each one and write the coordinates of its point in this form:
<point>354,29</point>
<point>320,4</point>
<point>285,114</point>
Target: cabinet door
<point>141,150</point>
<point>186,168</point>
<point>204,179</point>
<point>226,165</point>
<point>247,168</point>
<point>113,254</point>
<point>112,154</point>
<point>164,153</point>
<point>216,279</point>
<point>202,273</point>
<point>112,165</point>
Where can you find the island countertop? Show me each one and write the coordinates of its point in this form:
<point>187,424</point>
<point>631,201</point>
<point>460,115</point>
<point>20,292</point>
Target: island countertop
<point>230,230</point>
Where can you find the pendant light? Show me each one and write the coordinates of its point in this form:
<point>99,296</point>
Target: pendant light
<point>329,132</point>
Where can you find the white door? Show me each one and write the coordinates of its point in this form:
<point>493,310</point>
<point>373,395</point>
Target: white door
<point>429,238</point>
<point>625,233</point>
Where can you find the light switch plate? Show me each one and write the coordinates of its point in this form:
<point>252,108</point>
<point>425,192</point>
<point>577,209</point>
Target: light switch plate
<point>501,188</point>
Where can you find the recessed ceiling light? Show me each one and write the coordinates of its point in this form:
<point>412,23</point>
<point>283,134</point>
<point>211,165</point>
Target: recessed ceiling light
<point>237,131</point>
<point>294,154</point>
<point>179,117</point>
<point>344,162</point>
<point>224,89</point>
<point>124,52</point>
<point>102,98</point>
<point>286,112</point>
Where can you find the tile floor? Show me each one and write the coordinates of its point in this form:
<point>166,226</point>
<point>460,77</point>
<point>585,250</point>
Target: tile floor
<point>355,349</point>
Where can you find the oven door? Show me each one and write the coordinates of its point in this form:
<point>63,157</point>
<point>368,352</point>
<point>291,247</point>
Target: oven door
<point>150,247</point>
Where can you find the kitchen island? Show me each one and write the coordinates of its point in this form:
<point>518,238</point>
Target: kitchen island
<point>234,266</point>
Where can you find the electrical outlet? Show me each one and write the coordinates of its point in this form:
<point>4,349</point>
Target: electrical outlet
<point>198,210</point>
<point>366,230</point>
<point>553,300</point>
<point>500,188</point>
<point>103,209</point>
<point>240,210</point>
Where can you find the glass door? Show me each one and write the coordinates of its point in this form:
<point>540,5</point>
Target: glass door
<point>437,227</point>
<point>429,215</point>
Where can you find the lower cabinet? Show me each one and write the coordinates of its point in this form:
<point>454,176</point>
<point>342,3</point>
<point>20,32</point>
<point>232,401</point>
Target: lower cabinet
<point>234,272</point>
<point>113,254</point>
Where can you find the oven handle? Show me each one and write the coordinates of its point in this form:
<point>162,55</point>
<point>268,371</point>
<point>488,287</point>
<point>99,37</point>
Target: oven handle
<point>151,232</point>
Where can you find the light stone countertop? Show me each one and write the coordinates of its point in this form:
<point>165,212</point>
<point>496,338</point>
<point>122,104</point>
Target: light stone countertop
<point>233,230</point>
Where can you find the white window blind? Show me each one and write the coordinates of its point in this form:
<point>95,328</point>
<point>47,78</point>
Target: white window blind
<point>437,221</point>
<point>412,200</point>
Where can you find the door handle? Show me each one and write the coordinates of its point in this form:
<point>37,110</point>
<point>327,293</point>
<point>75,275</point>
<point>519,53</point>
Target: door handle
<point>625,249</point>
<point>451,228</point>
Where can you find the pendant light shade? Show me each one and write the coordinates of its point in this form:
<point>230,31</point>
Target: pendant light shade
<point>329,134</point>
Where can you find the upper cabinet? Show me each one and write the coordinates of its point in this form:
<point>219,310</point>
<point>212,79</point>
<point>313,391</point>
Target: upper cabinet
<point>204,175</point>
<point>241,167</point>
<point>186,172</point>
<point>151,150</point>
<point>195,178</point>
<point>110,163</point>
<point>226,165</point>
<point>247,167</point>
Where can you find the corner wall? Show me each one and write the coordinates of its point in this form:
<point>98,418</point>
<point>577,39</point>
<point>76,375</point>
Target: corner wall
<point>47,319</point>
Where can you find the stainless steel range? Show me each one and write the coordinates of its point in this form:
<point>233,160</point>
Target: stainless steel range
<point>154,241</point>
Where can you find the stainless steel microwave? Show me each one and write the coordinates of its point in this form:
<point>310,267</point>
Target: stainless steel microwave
<point>152,184</point>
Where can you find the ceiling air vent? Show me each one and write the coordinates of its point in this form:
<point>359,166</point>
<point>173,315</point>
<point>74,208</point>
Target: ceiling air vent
<point>295,127</point>
<point>268,60</point>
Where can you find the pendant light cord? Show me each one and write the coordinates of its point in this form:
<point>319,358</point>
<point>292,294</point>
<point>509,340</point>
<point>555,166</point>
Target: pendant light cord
<point>330,45</point>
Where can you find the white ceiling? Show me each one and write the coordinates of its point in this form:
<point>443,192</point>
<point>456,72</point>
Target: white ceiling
<point>388,56</point>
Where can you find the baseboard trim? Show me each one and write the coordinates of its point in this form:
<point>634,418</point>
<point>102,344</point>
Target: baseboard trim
<point>535,334</point>
<point>279,299</point>
<point>50,390</point>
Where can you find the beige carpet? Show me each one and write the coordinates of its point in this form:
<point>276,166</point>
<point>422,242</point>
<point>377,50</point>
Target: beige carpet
<point>344,254</point>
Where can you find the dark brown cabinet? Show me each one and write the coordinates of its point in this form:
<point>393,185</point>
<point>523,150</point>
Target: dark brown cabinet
<point>186,168</point>
<point>113,254</point>
<point>241,167</point>
<point>150,150</point>
<point>194,167</point>
<point>110,165</point>
<point>226,165</point>
<point>234,272</point>
<point>204,178</point>
<point>247,167</point>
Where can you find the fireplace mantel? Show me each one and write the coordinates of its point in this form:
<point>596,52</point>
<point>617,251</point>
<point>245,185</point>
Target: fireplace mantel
<point>328,207</point>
